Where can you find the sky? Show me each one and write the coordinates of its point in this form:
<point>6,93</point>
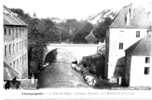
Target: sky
<point>66,9</point>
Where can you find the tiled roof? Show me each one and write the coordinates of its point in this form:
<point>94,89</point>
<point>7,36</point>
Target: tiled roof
<point>138,18</point>
<point>142,47</point>
<point>11,19</point>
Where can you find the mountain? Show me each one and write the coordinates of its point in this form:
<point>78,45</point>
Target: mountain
<point>94,19</point>
<point>57,20</point>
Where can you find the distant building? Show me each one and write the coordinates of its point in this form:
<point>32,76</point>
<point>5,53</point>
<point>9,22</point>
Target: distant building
<point>91,38</point>
<point>130,25</point>
<point>138,70</point>
<point>15,46</point>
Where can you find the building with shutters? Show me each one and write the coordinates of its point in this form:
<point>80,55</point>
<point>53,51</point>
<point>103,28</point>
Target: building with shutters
<point>129,26</point>
<point>138,69</point>
<point>15,46</point>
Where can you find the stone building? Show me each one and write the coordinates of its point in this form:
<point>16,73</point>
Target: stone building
<point>130,25</point>
<point>15,46</point>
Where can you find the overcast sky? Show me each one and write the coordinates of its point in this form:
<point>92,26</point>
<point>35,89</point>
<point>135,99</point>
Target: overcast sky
<point>66,8</point>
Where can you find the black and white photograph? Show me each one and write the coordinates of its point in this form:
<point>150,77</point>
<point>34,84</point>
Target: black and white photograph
<point>93,45</point>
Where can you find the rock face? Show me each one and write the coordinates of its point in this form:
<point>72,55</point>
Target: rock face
<point>60,74</point>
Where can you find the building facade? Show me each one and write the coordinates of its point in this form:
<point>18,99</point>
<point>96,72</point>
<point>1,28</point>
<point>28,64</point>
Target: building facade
<point>138,70</point>
<point>130,25</point>
<point>15,45</point>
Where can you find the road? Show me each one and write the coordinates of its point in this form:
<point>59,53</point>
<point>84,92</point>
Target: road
<point>60,74</point>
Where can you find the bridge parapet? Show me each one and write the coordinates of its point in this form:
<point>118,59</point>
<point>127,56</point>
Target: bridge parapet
<point>78,50</point>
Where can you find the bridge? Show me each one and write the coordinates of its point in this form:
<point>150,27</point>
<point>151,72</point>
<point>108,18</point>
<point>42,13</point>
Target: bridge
<point>77,51</point>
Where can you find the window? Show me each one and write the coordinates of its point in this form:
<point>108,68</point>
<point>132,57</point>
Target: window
<point>147,59</point>
<point>16,32</point>
<point>9,31</point>
<point>137,34</point>
<point>13,48</point>
<point>10,49</point>
<point>120,45</point>
<point>13,33</point>
<point>126,19</point>
<point>5,31</point>
<point>16,47</point>
<point>5,50</point>
<point>146,70</point>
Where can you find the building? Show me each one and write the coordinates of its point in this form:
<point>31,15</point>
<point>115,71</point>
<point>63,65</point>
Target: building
<point>129,26</point>
<point>138,71</point>
<point>91,38</point>
<point>15,46</point>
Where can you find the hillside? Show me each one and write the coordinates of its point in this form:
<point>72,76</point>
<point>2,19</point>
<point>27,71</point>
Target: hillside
<point>99,17</point>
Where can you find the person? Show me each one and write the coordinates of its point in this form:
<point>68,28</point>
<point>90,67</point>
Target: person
<point>12,84</point>
<point>15,83</point>
<point>7,85</point>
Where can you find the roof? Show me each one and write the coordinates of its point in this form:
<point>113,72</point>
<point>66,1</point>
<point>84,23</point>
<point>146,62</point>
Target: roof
<point>10,18</point>
<point>91,38</point>
<point>142,47</point>
<point>137,17</point>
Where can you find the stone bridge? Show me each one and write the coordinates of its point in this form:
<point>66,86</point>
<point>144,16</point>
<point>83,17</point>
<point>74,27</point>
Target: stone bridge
<point>76,50</point>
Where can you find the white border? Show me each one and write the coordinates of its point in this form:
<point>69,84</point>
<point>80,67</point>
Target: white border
<point>65,93</point>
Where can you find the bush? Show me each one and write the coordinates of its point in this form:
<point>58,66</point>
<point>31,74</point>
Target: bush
<point>95,65</point>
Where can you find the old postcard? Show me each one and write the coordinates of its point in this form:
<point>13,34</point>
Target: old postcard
<point>76,49</point>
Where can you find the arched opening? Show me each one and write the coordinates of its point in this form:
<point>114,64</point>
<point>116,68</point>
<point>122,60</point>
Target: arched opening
<point>59,55</point>
<point>50,56</point>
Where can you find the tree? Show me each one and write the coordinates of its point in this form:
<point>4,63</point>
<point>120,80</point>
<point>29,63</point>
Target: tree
<point>48,31</point>
<point>40,32</point>
<point>81,34</point>
<point>101,29</point>
<point>24,16</point>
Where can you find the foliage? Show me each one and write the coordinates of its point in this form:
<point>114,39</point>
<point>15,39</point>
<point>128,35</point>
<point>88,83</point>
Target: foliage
<point>101,29</point>
<point>71,30</point>
<point>44,31</point>
<point>40,32</point>
<point>81,34</point>
<point>95,64</point>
